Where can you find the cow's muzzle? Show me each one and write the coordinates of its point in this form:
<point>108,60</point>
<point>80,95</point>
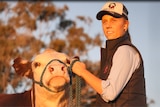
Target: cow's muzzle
<point>69,68</point>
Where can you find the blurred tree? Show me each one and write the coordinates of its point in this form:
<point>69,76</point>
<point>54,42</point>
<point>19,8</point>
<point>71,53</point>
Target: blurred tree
<point>26,28</point>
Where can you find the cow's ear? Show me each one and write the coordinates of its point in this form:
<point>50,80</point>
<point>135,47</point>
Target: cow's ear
<point>23,67</point>
<point>75,58</point>
<point>68,61</point>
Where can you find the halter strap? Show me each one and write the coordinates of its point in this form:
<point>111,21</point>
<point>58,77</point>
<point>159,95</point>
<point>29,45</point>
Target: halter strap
<point>69,68</point>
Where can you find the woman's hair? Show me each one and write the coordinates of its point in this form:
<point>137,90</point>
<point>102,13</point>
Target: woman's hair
<point>129,35</point>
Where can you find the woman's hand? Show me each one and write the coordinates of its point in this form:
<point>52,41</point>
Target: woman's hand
<point>78,68</point>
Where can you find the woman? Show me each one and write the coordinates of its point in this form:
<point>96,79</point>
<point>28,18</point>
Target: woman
<point>121,81</point>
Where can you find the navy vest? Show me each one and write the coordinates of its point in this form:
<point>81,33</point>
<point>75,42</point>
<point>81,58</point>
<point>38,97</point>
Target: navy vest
<point>133,94</point>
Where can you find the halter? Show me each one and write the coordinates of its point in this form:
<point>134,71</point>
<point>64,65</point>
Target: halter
<point>69,68</point>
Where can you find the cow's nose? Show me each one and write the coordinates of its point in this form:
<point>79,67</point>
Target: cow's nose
<point>53,68</point>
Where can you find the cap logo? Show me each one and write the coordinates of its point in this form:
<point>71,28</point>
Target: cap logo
<point>112,5</point>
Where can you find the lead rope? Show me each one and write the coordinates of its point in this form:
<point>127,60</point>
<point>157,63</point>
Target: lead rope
<point>70,96</point>
<point>78,91</point>
<point>70,88</point>
<point>78,88</point>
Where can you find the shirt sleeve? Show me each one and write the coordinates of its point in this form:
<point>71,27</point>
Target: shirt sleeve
<point>125,60</point>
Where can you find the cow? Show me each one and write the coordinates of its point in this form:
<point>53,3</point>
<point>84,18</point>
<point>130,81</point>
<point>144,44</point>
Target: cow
<point>51,79</point>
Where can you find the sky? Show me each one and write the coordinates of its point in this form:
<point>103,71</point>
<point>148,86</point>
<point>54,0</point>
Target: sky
<point>145,33</point>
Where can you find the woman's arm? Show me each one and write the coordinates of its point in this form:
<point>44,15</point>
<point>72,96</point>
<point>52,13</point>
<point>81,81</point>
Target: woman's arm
<point>125,61</point>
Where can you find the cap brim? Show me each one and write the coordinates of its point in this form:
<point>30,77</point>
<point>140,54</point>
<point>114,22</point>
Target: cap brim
<point>102,13</point>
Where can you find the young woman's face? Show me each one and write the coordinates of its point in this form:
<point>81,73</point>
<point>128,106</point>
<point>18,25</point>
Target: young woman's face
<point>114,27</point>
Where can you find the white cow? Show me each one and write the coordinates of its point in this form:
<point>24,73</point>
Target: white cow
<point>51,81</point>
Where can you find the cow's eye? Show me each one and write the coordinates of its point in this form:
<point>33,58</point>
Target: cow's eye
<point>67,61</point>
<point>36,64</point>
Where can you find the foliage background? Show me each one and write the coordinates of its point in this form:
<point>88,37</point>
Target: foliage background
<point>28,28</point>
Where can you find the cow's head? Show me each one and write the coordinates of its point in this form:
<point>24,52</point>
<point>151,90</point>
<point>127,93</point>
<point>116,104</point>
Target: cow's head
<point>48,69</point>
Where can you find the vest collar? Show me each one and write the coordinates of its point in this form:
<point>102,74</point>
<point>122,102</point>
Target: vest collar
<point>111,44</point>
